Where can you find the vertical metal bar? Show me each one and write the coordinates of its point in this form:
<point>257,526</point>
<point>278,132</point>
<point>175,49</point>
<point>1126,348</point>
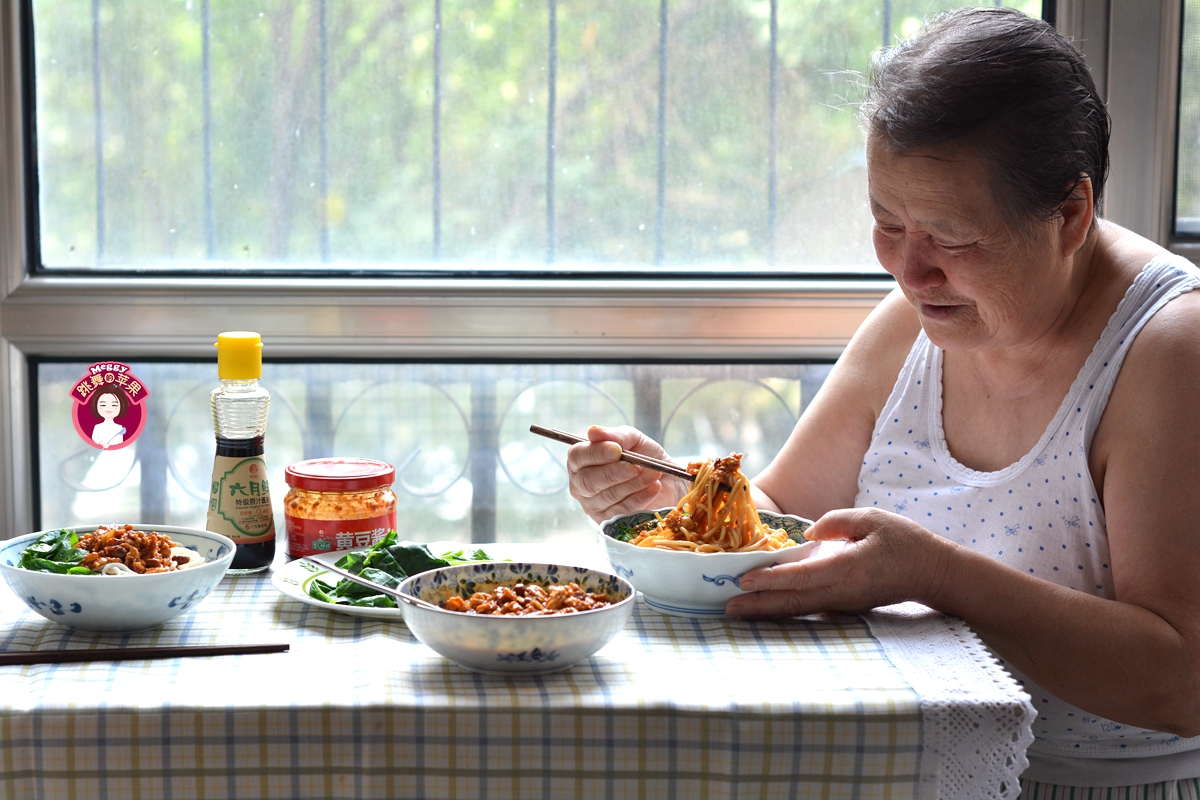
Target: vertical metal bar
<point>210,246</point>
<point>152,463</point>
<point>647,400</point>
<point>773,136</point>
<point>437,130</point>
<point>484,441</point>
<point>318,411</point>
<point>662,133</point>
<point>887,23</point>
<point>552,81</point>
<point>98,105</point>
<point>324,166</point>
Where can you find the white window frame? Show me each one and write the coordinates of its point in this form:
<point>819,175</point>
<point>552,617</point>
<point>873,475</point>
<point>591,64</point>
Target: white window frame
<point>728,319</point>
<point>1133,48</point>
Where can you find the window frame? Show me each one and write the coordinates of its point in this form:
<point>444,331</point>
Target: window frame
<point>1187,244</point>
<point>553,316</point>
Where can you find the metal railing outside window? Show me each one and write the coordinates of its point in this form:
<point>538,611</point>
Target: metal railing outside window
<point>299,134</point>
<point>458,434</point>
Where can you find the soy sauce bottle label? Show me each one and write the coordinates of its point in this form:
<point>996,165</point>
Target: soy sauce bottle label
<point>239,502</point>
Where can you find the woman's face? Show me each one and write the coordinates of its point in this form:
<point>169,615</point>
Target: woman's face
<point>976,282</point>
<point>108,406</point>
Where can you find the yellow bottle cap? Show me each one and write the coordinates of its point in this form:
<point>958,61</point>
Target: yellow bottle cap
<point>239,355</point>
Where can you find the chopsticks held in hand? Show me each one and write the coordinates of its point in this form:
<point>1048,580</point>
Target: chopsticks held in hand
<point>665,467</point>
<point>135,653</point>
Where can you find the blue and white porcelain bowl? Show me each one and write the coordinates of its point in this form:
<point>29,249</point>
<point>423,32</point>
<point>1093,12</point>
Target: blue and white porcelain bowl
<point>690,584</point>
<point>118,602</point>
<point>509,645</point>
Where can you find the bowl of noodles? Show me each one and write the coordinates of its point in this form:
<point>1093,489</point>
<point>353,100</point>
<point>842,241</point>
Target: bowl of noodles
<point>689,560</point>
<point>114,577</point>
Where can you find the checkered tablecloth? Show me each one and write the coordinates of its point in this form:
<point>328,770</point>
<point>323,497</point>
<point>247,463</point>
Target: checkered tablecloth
<point>671,708</point>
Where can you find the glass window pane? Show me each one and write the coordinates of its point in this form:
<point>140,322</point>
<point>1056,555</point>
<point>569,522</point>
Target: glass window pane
<point>217,134</point>
<point>1187,180</point>
<point>458,434</point>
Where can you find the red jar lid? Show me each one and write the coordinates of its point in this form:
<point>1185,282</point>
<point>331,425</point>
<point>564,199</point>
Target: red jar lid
<point>340,474</point>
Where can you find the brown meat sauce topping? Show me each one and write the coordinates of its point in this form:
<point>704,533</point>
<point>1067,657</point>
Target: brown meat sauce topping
<point>141,551</point>
<point>529,599</point>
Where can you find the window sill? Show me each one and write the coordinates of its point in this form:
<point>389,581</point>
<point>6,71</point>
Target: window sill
<point>442,318</point>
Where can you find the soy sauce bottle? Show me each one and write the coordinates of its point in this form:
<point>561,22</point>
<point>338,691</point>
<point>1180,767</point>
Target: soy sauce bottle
<point>239,503</point>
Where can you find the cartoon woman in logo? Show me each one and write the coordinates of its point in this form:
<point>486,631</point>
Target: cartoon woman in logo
<point>109,406</point>
<point>109,403</point>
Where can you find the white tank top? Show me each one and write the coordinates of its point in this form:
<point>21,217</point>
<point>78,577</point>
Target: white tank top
<point>1039,515</point>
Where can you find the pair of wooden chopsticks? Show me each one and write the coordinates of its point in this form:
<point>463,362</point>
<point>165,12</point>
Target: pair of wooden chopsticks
<point>135,653</point>
<point>665,467</point>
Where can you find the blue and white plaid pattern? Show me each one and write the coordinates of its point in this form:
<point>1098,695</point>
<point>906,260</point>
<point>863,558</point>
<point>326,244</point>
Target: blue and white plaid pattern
<point>671,708</point>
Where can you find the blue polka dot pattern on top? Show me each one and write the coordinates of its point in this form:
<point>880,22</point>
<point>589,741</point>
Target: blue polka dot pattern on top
<point>1042,518</point>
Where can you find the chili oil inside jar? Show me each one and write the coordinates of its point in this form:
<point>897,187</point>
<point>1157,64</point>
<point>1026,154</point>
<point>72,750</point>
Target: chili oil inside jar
<point>338,504</point>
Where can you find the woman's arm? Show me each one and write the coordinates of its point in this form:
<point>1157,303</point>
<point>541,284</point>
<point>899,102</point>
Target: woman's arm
<point>817,469</point>
<point>1135,659</point>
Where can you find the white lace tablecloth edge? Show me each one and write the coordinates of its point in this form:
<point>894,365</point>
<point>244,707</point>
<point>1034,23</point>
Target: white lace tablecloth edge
<point>960,758</point>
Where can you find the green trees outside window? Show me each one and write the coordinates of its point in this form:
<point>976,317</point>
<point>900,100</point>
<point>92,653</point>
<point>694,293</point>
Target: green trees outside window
<point>432,134</point>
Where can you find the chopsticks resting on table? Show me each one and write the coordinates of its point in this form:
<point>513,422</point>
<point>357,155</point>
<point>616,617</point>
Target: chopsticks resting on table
<point>665,467</point>
<point>26,658</point>
<point>379,587</point>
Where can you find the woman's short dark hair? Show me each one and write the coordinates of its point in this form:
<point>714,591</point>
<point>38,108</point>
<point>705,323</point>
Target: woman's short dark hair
<point>1005,87</point>
<point>115,392</point>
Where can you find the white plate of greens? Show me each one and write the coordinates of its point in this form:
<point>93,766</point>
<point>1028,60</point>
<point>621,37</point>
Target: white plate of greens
<point>388,562</point>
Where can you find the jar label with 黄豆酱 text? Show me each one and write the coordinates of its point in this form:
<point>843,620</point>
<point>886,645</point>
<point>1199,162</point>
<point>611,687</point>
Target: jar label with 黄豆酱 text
<point>239,502</point>
<point>306,537</point>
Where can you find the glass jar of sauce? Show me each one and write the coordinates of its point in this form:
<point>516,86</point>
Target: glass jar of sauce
<point>338,504</point>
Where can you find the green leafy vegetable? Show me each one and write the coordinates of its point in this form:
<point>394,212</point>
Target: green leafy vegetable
<point>624,533</point>
<point>463,557</point>
<point>387,563</point>
<point>356,591</point>
<point>320,590</point>
<point>416,558</point>
<point>55,551</point>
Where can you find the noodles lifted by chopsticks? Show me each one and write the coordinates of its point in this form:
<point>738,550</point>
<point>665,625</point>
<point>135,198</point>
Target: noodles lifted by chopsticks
<point>711,520</point>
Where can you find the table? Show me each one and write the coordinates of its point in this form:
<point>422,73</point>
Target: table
<point>900,703</point>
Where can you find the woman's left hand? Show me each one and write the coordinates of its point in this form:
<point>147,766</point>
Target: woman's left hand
<point>887,559</point>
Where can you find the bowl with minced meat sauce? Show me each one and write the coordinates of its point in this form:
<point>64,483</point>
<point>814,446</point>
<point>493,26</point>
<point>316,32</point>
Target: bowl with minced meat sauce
<point>115,577</point>
<point>506,618</point>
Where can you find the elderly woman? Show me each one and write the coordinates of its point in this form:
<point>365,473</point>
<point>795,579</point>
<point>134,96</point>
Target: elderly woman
<point>1012,435</point>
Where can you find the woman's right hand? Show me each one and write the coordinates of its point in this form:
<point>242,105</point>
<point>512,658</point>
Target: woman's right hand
<point>606,486</point>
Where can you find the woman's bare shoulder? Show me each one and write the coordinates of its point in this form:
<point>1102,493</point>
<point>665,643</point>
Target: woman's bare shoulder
<point>1169,341</point>
<point>1157,389</point>
<point>878,350</point>
<point>1129,252</point>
